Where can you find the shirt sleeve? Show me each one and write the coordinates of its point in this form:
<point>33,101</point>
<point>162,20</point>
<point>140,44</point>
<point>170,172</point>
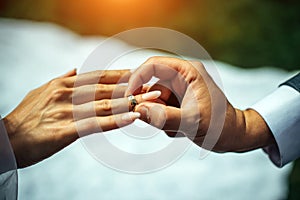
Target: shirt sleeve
<point>281,111</point>
<point>8,167</point>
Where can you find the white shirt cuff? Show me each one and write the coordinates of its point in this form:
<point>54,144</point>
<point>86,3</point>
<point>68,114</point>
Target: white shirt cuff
<point>281,111</point>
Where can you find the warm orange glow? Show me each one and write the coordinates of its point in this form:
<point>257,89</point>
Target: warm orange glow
<point>112,16</point>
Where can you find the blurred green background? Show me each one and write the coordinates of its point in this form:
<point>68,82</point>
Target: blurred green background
<point>246,33</point>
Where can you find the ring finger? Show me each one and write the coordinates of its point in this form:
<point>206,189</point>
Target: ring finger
<point>107,107</point>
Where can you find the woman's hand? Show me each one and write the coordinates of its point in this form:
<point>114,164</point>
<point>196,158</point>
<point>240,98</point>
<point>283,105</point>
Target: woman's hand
<point>193,105</point>
<point>51,116</point>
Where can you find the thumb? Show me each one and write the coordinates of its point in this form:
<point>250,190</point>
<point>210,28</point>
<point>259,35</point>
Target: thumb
<point>163,117</point>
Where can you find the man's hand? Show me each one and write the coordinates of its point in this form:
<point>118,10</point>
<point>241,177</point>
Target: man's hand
<point>51,116</point>
<point>191,104</point>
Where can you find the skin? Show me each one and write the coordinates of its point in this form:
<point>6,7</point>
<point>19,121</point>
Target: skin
<point>55,114</point>
<point>191,98</point>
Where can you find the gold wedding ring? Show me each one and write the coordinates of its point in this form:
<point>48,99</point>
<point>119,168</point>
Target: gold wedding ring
<point>133,102</point>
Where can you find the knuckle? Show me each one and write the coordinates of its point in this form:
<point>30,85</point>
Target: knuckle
<point>60,93</point>
<point>101,88</point>
<point>196,63</point>
<point>68,81</point>
<point>56,82</point>
<point>101,74</point>
<point>56,93</point>
<point>105,105</point>
<point>153,59</point>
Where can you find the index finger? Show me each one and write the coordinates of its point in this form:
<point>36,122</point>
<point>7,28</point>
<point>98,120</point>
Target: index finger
<point>162,68</point>
<point>101,77</point>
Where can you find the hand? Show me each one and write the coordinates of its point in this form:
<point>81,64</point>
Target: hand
<point>201,109</point>
<point>43,123</point>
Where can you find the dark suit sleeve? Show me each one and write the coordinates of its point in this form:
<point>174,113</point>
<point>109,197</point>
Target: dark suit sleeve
<point>8,167</point>
<point>293,82</point>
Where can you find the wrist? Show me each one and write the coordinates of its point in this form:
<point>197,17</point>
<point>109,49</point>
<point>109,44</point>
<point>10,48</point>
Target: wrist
<point>247,131</point>
<point>233,137</point>
<point>257,132</point>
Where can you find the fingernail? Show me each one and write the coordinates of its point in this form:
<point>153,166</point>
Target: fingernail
<point>129,117</point>
<point>151,95</point>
